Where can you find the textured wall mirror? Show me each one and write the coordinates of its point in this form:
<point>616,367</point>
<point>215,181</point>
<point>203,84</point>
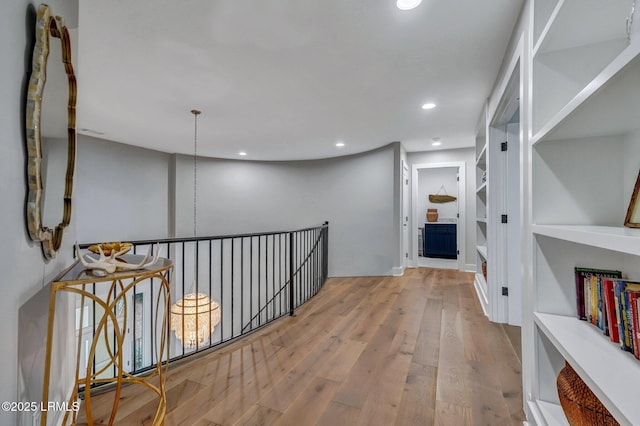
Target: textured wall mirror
<point>51,129</point>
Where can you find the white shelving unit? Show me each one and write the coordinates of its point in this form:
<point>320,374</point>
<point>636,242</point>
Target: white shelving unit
<point>481,209</point>
<point>585,156</point>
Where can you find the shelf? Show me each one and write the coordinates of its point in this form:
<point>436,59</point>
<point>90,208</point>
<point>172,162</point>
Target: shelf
<point>543,10</point>
<point>481,220</point>
<point>548,413</point>
<point>481,161</point>
<point>482,188</point>
<point>612,375</point>
<point>597,21</point>
<point>608,105</point>
<point>621,239</point>
<point>483,251</point>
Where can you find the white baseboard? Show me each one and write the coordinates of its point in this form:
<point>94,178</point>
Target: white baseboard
<point>470,267</point>
<point>397,271</point>
<point>482,296</point>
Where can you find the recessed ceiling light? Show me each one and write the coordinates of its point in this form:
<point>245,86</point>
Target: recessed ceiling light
<point>436,143</point>
<point>242,153</point>
<point>430,105</point>
<point>408,4</point>
<point>339,144</point>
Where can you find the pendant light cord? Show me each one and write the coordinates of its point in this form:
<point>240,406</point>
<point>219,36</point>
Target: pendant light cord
<point>195,113</point>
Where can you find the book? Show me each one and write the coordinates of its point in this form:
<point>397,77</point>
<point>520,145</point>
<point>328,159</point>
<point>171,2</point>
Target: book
<point>584,291</point>
<point>618,289</point>
<point>593,296</point>
<point>628,334</point>
<point>637,323</point>
<point>609,303</point>
<point>633,304</point>
<point>602,312</point>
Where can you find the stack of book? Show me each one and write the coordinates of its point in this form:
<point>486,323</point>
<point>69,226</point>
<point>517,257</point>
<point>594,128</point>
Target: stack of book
<point>611,303</point>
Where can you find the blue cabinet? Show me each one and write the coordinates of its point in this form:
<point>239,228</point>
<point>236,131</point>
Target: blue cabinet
<point>440,240</point>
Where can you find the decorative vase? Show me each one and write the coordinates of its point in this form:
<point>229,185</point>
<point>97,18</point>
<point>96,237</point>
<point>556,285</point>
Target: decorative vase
<point>432,215</point>
<point>580,405</point>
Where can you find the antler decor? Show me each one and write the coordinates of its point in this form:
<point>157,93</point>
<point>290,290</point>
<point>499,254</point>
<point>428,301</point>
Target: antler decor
<point>109,264</point>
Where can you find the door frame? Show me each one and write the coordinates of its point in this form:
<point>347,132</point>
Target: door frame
<point>461,237</point>
<point>505,251</point>
<point>405,211</point>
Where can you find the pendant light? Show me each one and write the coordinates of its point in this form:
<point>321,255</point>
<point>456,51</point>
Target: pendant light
<point>194,317</point>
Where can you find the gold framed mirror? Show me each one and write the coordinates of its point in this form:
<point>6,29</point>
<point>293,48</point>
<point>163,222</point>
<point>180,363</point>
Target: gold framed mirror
<point>48,28</point>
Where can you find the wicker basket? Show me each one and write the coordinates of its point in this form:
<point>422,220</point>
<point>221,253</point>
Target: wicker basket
<point>580,405</point>
<point>432,215</point>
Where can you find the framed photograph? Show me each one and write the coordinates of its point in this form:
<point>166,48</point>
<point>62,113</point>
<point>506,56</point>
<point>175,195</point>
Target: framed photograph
<point>632,220</point>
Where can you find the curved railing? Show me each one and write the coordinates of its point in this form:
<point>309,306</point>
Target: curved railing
<point>255,278</point>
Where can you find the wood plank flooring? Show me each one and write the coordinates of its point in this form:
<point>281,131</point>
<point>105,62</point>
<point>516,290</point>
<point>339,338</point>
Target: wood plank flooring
<point>410,350</point>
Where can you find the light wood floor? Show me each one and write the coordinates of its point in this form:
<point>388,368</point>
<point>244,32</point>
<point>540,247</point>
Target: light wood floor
<point>411,350</point>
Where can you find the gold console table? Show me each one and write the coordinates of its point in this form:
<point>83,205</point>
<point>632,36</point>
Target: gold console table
<point>109,293</point>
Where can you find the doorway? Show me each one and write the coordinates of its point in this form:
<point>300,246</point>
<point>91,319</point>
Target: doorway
<point>405,214</point>
<point>440,243</point>
<point>505,211</point>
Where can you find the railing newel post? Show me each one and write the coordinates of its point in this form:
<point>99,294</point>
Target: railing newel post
<point>291,275</point>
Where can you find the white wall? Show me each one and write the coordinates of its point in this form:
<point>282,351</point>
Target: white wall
<point>121,192</point>
<point>355,194</point>
<point>429,182</point>
<point>24,271</point>
<point>466,155</point>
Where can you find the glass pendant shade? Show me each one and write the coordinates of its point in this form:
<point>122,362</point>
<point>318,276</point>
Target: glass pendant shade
<point>193,319</point>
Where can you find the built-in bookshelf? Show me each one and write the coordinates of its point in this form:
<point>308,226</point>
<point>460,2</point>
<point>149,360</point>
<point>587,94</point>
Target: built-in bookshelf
<point>585,156</point>
<point>481,208</point>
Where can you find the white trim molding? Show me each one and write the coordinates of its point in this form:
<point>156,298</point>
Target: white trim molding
<point>397,271</point>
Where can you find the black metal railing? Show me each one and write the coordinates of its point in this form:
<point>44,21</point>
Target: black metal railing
<point>255,279</point>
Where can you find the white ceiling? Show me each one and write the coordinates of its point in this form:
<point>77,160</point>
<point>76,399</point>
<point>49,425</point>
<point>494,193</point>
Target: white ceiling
<point>286,79</point>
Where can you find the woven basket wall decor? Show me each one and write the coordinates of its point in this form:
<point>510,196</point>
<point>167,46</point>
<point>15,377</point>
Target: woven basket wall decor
<point>579,403</point>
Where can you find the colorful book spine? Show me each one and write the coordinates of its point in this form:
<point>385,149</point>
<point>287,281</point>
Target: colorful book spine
<point>630,288</point>
<point>609,302</point>
<point>633,304</point>
<point>602,312</point>
<point>593,282</point>
<point>628,334</point>
<point>637,324</point>
<point>618,289</point>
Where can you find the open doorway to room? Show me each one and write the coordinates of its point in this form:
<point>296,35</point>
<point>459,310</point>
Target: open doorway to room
<point>438,222</point>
